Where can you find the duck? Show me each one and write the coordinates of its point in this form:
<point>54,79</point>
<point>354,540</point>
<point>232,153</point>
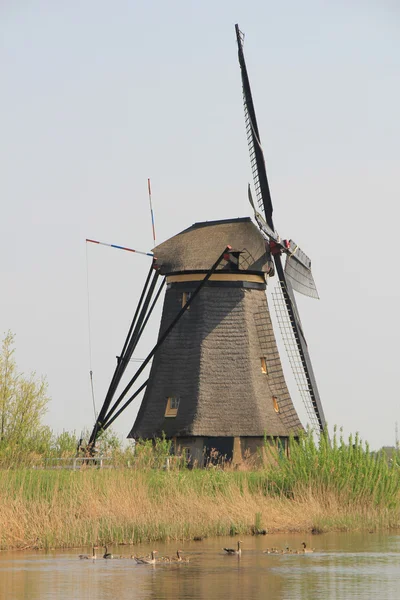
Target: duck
<point>106,553</point>
<point>87,556</point>
<point>238,552</point>
<point>267,551</point>
<point>144,560</point>
<point>306,550</point>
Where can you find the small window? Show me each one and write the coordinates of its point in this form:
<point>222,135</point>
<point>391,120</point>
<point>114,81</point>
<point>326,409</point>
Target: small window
<point>171,409</point>
<point>275,403</point>
<point>264,365</point>
<point>185,297</point>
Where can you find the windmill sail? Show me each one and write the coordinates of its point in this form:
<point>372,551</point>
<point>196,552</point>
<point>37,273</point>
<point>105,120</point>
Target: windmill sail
<point>297,273</point>
<point>295,360</point>
<point>261,186</point>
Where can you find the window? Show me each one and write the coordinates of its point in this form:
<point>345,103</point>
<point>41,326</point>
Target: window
<point>264,365</point>
<point>185,297</point>
<point>275,403</point>
<point>171,409</point>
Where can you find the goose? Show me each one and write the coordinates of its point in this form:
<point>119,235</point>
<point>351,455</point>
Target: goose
<point>180,558</point>
<point>165,559</point>
<point>306,550</point>
<point>233,551</point>
<point>142,560</point>
<point>106,553</point>
<point>173,559</point>
<point>87,556</point>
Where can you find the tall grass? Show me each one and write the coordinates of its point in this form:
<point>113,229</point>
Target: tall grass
<point>75,508</point>
<point>338,485</point>
<point>348,470</point>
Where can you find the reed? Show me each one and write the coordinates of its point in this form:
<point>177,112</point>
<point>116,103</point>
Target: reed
<point>350,471</point>
<point>77,508</point>
<point>321,486</point>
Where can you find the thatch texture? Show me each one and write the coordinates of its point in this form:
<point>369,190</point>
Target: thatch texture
<point>197,248</point>
<point>211,362</point>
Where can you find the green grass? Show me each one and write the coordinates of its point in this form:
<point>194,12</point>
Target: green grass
<point>349,470</point>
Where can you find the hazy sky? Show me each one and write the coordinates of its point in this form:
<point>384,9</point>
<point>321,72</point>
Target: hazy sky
<point>97,96</point>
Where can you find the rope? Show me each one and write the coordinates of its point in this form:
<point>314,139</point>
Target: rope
<point>90,335</point>
<point>92,388</point>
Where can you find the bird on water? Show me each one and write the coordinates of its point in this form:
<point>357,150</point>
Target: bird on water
<point>106,553</point>
<point>174,559</point>
<point>142,560</point>
<point>238,552</point>
<point>87,556</point>
<point>180,558</point>
<point>306,550</point>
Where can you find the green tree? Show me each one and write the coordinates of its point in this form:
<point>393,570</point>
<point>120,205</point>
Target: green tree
<point>23,401</point>
<point>65,444</point>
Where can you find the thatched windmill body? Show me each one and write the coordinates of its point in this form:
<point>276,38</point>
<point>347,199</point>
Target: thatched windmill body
<point>216,380</point>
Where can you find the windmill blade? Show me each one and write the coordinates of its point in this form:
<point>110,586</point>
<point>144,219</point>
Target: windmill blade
<point>297,265</point>
<point>263,196</point>
<point>296,347</point>
<point>261,222</point>
<point>298,271</point>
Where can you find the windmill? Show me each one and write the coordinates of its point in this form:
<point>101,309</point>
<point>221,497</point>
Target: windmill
<point>216,380</point>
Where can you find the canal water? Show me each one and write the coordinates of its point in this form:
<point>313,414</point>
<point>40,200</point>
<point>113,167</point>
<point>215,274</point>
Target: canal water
<point>347,566</point>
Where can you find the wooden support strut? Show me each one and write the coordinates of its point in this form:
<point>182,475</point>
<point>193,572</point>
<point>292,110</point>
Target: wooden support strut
<point>141,317</point>
<point>107,420</point>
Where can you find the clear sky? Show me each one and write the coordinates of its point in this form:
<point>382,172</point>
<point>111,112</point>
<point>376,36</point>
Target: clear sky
<point>98,96</point>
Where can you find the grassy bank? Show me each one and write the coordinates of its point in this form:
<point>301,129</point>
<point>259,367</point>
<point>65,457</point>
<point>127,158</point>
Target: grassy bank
<point>342,486</point>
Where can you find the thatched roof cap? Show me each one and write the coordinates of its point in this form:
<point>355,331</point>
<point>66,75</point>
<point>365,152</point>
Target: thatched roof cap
<point>198,247</point>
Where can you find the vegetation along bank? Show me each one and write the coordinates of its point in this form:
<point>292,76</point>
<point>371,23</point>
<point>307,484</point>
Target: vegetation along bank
<point>321,487</point>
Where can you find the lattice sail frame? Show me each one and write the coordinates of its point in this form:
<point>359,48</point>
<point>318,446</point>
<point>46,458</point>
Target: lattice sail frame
<point>253,158</point>
<point>292,350</point>
<point>250,142</point>
<point>263,196</point>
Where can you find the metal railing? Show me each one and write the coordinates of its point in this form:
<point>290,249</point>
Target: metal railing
<point>76,463</point>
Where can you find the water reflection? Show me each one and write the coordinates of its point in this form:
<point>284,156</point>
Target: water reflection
<point>343,566</point>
